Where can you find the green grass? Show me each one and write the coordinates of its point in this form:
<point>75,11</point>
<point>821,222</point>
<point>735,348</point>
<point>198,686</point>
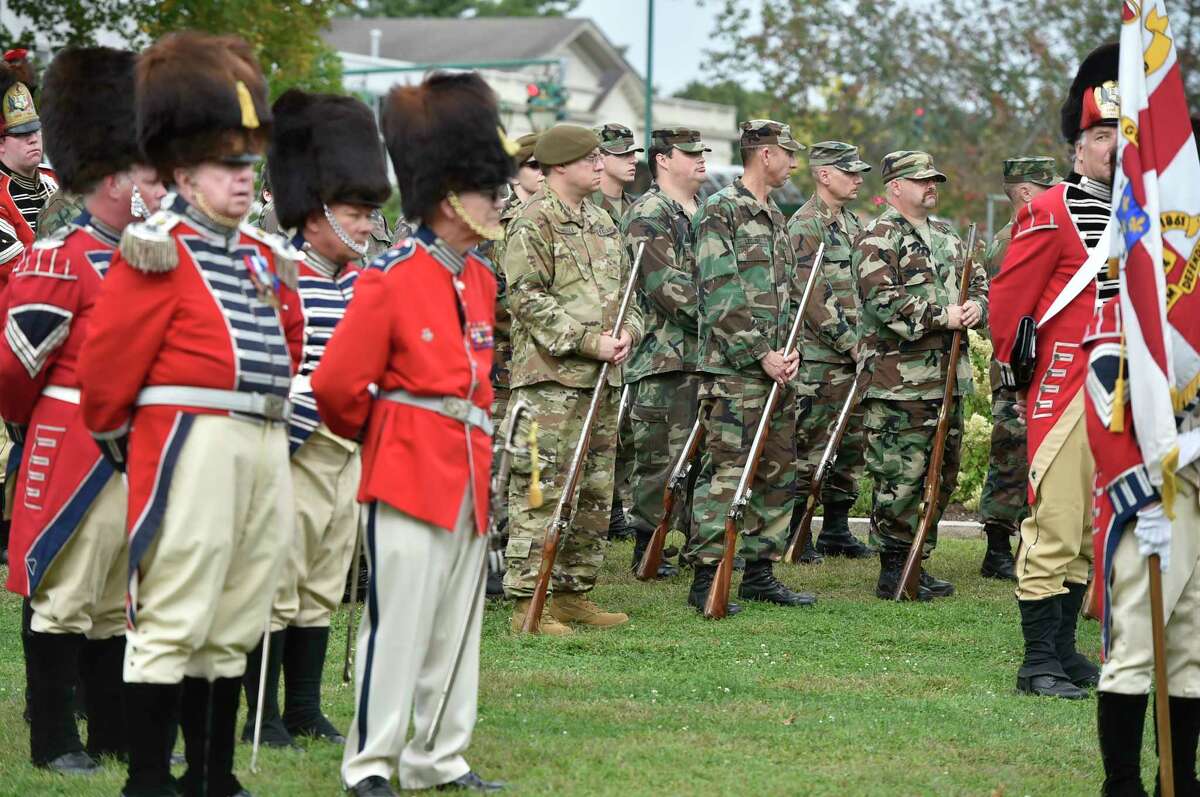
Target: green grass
<point>856,696</point>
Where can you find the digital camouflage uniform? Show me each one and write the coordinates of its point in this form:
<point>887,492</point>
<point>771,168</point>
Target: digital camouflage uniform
<point>565,271</point>
<point>906,279</point>
<point>502,355</point>
<point>60,210</point>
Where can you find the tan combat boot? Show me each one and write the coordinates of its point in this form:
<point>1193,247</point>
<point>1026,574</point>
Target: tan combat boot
<point>549,625</point>
<point>573,607</point>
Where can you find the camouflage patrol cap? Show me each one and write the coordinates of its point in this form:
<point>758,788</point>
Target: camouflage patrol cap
<point>763,132</point>
<point>525,146</point>
<point>616,139</point>
<point>1039,171</point>
<point>564,143</point>
<point>911,165</point>
<point>681,138</point>
<point>838,154</point>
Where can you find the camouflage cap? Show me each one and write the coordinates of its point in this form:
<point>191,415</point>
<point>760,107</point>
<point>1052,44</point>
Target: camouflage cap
<point>525,145</point>
<point>1039,171</point>
<point>681,138</point>
<point>564,143</point>
<point>616,139</point>
<point>911,165</point>
<point>838,154</point>
<point>762,132</point>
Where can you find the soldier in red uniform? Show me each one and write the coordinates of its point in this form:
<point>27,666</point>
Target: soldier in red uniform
<point>1052,240</point>
<point>25,185</point>
<point>186,369</point>
<point>329,176</point>
<point>407,370</point>
<point>68,538</point>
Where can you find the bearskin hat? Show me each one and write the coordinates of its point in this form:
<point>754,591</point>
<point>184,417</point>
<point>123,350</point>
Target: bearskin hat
<point>1101,65</point>
<point>88,115</point>
<point>443,135</point>
<point>200,98</point>
<point>324,148</point>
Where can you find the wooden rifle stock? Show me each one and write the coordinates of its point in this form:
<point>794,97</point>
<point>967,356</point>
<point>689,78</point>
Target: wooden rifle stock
<point>910,576</point>
<point>652,557</point>
<point>716,604</point>
<point>563,511</point>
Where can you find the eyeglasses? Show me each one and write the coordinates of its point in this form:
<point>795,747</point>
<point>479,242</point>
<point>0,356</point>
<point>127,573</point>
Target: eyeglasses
<point>593,159</point>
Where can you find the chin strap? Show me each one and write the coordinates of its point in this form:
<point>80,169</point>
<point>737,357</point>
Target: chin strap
<point>343,236</point>
<point>220,218</point>
<point>487,233</point>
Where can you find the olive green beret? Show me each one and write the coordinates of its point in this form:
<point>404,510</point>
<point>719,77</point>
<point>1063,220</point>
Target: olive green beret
<point>564,143</point>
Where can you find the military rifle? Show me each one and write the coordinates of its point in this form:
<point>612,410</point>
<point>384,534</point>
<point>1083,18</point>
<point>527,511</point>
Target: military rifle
<point>652,557</point>
<point>348,659</point>
<point>717,602</point>
<point>910,576</point>
<point>563,512</point>
<point>803,533</point>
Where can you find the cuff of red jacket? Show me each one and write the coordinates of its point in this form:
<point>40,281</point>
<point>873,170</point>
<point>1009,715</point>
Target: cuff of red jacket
<point>1130,492</point>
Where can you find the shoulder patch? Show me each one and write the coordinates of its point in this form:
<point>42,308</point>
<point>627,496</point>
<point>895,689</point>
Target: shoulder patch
<point>402,251</point>
<point>148,245</point>
<point>287,257</point>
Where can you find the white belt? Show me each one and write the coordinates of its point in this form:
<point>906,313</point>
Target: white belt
<point>266,405</point>
<point>459,409</point>
<point>67,394</point>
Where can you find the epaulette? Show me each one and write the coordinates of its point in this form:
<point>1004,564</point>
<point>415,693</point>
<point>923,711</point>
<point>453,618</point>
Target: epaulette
<point>402,251</point>
<point>148,245</point>
<point>1030,219</point>
<point>54,239</point>
<point>287,257</point>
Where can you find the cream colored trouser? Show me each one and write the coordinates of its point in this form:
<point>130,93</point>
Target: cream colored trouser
<point>424,581</point>
<point>83,591</point>
<point>325,476</point>
<point>1129,667</point>
<point>207,578</point>
<point>1056,536</point>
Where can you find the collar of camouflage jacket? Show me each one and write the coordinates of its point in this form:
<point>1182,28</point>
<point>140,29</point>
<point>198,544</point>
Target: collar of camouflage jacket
<point>559,208</point>
<point>770,208</point>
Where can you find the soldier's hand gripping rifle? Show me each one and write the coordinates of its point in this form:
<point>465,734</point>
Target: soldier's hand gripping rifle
<point>829,456</point>
<point>717,602</point>
<point>911,575</point>
<point>652,557</point>
<point>563,512</point>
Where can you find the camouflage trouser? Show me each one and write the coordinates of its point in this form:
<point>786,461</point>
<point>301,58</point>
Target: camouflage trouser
<point>899,442</point>
<point>662,413</point>
<point>730,409</point>
<point>623,475</point>
<point>499,411</point>
<point>817,416</point>
<point>1004,501</point>
<point>559,412</point>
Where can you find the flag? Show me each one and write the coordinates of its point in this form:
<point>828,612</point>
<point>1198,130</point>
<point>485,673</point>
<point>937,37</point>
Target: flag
<point>1156,202</point>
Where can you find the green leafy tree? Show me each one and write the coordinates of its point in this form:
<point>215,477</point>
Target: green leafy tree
<point>461,8</point>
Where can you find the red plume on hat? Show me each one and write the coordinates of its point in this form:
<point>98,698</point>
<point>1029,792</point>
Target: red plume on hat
<point>1100,66</point>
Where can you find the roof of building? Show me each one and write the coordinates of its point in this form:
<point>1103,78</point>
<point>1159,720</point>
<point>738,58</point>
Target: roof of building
<point>423,40</point>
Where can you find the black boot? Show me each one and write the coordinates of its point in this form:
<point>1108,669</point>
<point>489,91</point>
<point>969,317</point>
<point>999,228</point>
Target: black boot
<point>1041,672</point>
<point>53,667</point>
<point>102,667</point>
<point>1082,672</point>
<point>1185,735</point>
<point>702,581</point>
<point>274,733</point>
<point>208,718</point>
<point>495,585</point>
<point>937,587</point>
<point>998,560</point>
<point>152,711</point>
<point>641,541</point>
<point>303,663</point>
<point>891,568</point>
<point>618,529</point>
<point>1119,721</point>
<point>809,555</point>
<point>759,584</point>
<point>836,539</point>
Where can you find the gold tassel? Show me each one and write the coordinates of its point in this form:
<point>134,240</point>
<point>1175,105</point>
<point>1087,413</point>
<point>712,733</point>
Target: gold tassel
<point>249,114</point>
<point>535,470</point>
<point>147,250</point>
<point>1170,464</point>
<point>1117,424</point>
<point>1114,268</point>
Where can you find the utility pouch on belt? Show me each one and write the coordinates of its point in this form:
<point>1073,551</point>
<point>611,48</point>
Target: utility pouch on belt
<point>1024,354</point>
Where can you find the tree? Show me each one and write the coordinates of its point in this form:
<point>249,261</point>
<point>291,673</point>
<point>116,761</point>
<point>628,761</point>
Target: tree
<point>464,8</point>
<point>750,103</point>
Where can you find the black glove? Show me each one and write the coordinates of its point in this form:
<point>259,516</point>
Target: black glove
<point>115,450</point>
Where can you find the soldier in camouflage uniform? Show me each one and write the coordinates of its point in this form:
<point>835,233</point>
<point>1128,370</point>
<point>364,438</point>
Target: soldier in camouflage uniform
<point>1004,503</point>
<point>61,209</point>
<point>748,299</point>
<point>620,167</point>
<point>566,266</point>
<point>828,366</point>
<point>663,368</point>
<point>908,268</point>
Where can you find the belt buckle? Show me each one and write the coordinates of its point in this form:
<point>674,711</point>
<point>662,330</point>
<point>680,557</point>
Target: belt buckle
<point>457,408</point>
<point>274,407</point>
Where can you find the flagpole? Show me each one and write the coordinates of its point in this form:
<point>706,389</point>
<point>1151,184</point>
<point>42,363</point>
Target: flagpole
<point>1162,701</point>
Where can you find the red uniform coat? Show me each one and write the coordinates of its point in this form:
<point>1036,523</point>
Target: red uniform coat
<point>203,322</point>
<point>422,321</point>
<point>1045,252</point>
<point>50,299</point>
<point>17,216</point>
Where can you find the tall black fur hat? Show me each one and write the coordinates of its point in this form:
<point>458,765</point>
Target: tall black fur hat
<point>88,115</point>
<point>1100,66</point>
<point>324,148</point>
<point>444,135</point>
<point>201,98</point>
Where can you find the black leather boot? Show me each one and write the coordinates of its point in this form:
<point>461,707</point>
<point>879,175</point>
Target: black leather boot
<point>102,666</point>
<point>1082,672</point>
<point>891,568</point>
<point>1119,721</point>
<point>998,559</point>
<point>303,662</point>
<point>208,718</point>
<point>618,529</point>
<point>759,584</point>
<point>702,581</point>
<point>836,539</point>
<point>1185,735</point>
<point>937,587</point>
<point>152,711</point>
<point>274,733</point>
<point>53,668</point>
<point>1041,673</point>
<point>641,541</point>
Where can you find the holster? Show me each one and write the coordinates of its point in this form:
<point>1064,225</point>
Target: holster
<point>1024,353</point>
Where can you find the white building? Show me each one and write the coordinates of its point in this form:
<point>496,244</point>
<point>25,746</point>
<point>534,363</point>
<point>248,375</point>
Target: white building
<point>601,85</point>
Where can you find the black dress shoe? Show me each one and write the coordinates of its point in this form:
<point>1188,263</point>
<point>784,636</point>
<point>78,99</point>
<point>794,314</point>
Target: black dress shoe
<point>1050,686</point>
<point>374,786</point>
<point>936,586</point>
<point>998,565</point>
<point>472,782</point>
<point>77,763</point>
